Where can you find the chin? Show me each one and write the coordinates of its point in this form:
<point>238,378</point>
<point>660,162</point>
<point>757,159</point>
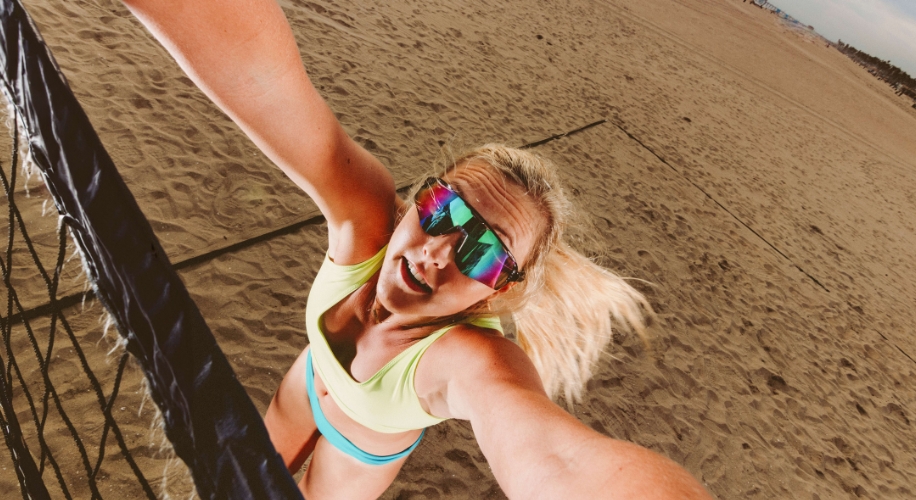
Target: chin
<point>390,296</point>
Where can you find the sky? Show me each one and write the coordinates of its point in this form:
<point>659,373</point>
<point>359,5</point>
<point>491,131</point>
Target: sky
<point>885,29</point>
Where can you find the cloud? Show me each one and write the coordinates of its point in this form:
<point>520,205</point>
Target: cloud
<point>883,28</point>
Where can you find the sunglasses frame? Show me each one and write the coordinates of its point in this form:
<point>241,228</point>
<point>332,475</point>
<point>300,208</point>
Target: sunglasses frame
<point>514,274</point>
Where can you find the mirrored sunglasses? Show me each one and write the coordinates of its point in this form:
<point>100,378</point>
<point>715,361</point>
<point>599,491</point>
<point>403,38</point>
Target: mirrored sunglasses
<point>480,254</point>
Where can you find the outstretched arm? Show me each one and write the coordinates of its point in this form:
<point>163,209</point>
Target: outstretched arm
<point>242,54</point>
<point>536,449</point>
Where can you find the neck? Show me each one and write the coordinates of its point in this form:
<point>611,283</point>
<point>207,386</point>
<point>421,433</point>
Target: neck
<point>376,314</point>
<point>379,315</point>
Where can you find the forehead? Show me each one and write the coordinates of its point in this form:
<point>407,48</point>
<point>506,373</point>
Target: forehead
<point>503,204</point>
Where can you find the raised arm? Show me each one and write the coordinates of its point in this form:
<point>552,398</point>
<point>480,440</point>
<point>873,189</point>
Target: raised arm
<point>536,449</point>
<point>242,54</point>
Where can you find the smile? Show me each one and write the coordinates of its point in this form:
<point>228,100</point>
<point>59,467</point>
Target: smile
<point>412,277</point>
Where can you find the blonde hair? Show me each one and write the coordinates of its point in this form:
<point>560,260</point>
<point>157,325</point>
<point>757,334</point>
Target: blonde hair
<point>566,307</point>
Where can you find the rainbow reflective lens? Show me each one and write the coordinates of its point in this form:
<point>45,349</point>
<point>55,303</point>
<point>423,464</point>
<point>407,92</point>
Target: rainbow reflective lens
<point>480,255</point>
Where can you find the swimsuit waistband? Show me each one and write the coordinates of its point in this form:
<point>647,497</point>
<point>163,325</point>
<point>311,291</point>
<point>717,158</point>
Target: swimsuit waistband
<point>335,437</point>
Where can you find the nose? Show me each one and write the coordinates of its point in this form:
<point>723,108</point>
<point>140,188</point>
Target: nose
<point>440,250</point>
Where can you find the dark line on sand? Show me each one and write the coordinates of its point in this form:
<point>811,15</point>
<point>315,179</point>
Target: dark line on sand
<point>560,136</point>
<point>723,207</point>
<point>310,220</point>
<point>889,341</point>
<point>749,228</point>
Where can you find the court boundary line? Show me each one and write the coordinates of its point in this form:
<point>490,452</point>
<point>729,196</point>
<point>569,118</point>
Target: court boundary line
<point>315,218</point>
<point>749,228</point>
<point>723,207</point>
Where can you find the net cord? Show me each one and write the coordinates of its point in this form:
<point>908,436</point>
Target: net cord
<point>28,482</point>
<point>57,317</point>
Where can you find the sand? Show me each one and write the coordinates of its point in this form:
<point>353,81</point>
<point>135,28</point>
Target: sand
<point>760,183</point>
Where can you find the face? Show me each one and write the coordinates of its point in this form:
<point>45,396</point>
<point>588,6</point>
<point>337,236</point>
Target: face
<point>419,276</point>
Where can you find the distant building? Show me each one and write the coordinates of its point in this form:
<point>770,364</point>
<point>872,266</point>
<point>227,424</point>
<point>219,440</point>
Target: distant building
<point>763,4</point>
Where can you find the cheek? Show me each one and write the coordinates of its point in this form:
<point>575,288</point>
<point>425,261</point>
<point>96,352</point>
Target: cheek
<point>462,292</point>
<point>407,233</point>
<point>456,294</point>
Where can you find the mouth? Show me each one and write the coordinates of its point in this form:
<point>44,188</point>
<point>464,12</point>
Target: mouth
<point>412,277</point>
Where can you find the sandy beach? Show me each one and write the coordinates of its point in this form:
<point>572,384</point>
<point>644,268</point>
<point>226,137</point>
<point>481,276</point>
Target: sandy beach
<point>758,185</point>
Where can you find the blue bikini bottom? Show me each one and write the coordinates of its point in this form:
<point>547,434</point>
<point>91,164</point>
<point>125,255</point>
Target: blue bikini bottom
<point>335,437</point>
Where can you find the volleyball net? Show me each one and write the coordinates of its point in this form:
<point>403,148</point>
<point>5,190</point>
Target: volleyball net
<point>47,374</point>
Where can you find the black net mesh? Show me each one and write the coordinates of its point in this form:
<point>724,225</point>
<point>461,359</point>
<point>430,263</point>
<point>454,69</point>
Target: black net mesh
<point>68,401</point>
<point>50,379</point>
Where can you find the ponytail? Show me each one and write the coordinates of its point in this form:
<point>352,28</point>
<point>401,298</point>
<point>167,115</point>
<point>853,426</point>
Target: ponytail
<point>565,309</point>
<point>567,323</point>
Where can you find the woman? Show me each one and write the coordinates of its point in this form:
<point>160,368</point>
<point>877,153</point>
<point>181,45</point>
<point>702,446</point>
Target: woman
<point>402,315</point>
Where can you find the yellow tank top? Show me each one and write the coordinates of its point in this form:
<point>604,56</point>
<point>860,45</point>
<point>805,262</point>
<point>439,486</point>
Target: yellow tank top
<point>387,401</point>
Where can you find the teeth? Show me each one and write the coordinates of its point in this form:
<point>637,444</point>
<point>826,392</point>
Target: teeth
<point>413,272</point>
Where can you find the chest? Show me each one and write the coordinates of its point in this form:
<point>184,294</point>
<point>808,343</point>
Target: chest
<point>361,347</point>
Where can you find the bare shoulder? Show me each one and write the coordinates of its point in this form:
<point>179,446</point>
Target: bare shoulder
<point>466,357</point>
<point>467,349</point>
